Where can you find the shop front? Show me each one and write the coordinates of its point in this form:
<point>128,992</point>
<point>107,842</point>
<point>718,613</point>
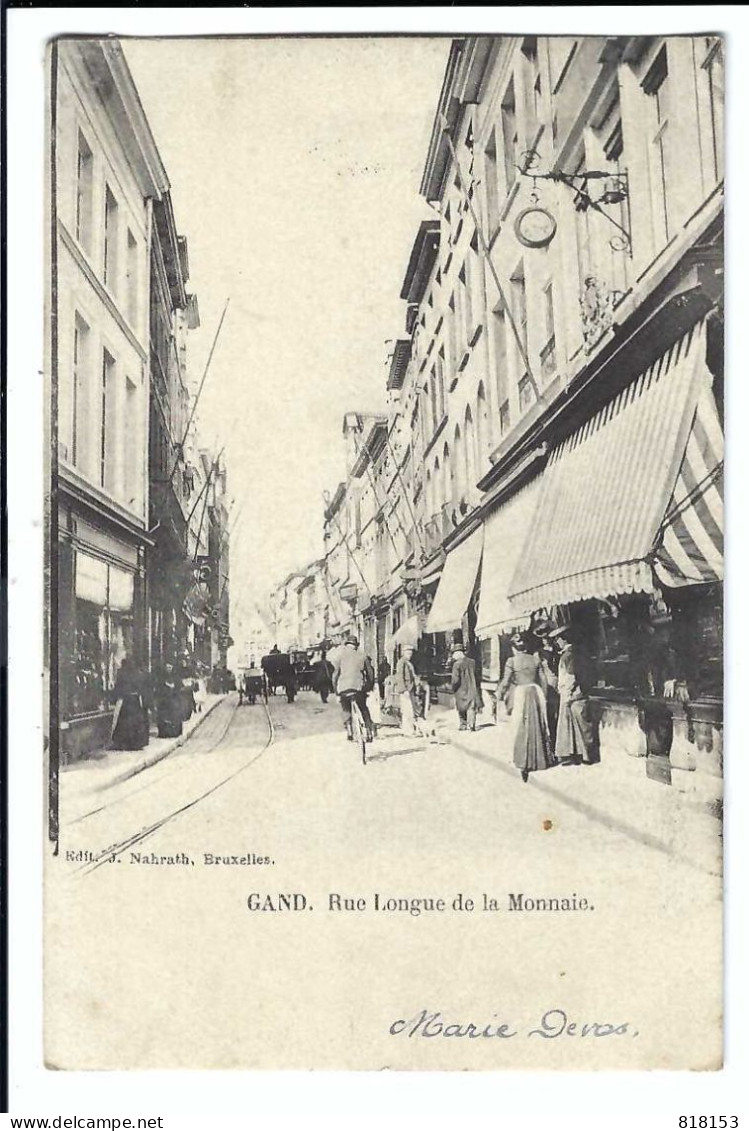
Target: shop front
<point>101,621</point>
<point>626,546</point>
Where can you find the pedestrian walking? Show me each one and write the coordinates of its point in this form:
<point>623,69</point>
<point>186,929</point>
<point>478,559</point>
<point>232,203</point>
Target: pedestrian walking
<point>523,689</point>
<point>464,687</point>
<point>406,684</point>
<point>349,678</point>
<point>577,734</point>
<point>322,677</point>
<point>130,720</point>
<point>549,657</point>
<point>383,671</point>
<point>169,707</point>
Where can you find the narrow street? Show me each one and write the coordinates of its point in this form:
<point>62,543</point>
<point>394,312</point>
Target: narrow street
<point>229,777</point>
<point>233,824</point>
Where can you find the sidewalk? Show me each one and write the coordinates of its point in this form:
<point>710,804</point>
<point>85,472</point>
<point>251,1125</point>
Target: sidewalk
<point>615,792</point>
<point>105,768</point>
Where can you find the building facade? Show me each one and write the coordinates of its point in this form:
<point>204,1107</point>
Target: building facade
<point>130,518</point>
<point>553,443</point>
<point>106,174</point>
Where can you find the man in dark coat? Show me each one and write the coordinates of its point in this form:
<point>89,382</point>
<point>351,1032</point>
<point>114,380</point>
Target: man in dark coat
<point>465,688</point>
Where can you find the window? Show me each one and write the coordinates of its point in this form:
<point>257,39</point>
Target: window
<point>561,53</point>
<point>504,418</point>
<point>499,327</point>
<point>433,399</point>
<point>482,426</point>
<point>81,345</point>
<point>509,136</point>
<point>84,193</point>
<point>111,236</point>
<point>715,83</point>
<point>656,87</point>
<point>582,232</point>
<point>103,630</point>
<point>548,353</point>
<point>520,309</point>
<point>441,383</point>
<point>525,393</point>
<point>131,457</point>
<point>491,185</point>
<point>108,400</point>
<point>533,85</point>
<point>132,278</point>
<point>470,454</point>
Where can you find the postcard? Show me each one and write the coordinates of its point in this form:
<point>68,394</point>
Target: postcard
<point>384,536</point>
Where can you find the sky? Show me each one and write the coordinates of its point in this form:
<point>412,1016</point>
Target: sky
<point>295,167</point>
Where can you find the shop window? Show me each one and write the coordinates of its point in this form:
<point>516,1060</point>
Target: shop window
<point>103,631</point>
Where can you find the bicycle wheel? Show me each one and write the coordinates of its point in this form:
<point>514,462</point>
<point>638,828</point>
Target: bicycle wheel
<point>357,726</point>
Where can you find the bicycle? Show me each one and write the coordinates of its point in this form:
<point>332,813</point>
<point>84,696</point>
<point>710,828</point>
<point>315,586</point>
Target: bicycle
<point>359,730</point>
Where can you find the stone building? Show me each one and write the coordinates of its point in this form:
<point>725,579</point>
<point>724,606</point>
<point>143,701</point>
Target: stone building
<point>106,174</point>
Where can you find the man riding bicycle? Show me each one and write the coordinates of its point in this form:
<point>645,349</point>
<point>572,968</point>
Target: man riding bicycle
<point>351,674</point>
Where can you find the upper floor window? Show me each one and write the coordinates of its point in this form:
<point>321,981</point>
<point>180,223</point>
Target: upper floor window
<point>657,87</point>
<point>81,360</point>
<point>491,184</point>
<point>510,135</point>
<point>548,351</point>
<point>107,421</point>
<point>712,67</point>
<point>520,306</point>
<point>111,240</point>
<point>84,193</point>
<point>132,278</point>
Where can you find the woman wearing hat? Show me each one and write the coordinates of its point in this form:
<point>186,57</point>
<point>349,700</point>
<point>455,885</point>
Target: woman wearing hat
<point>577,740</point>
<point>525,675</point>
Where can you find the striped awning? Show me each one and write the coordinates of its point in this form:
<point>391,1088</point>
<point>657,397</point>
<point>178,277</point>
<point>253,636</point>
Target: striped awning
<point>456,584</point>
<point>690,548</point>
<point>607,488</point>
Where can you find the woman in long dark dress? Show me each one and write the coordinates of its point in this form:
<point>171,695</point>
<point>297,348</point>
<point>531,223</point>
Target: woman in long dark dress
<point>523,687</point>
<point>130,722</point>
<point>169,705</point>
<point>577,734</point>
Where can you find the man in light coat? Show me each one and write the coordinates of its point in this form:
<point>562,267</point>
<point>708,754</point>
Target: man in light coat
<point>350,678</point>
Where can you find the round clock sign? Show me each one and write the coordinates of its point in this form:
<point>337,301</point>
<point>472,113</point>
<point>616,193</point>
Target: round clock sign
<point>535,227</point>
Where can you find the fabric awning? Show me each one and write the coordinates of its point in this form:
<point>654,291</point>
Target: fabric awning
<point>607,488</point>
<point>505,532</point>
<point>456,584</point>
<point>690,551</point>
<point>408,633</point>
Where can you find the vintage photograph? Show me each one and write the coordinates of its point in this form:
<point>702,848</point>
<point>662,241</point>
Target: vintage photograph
<point>384,574</point>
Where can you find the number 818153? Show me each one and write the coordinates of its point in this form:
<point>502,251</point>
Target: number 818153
<point>710,1121</point>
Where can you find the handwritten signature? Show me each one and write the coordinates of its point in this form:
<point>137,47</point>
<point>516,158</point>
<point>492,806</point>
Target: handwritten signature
<point>554,1023</point>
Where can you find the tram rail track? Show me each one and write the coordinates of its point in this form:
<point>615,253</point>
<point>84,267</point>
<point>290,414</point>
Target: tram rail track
<point>111,853</point>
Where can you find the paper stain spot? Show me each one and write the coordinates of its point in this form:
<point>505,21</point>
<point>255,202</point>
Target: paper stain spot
<point>547,824</point>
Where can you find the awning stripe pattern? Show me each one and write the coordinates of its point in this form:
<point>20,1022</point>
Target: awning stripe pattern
<point>607,487</point>
<point>691,548</point>
<point>456,584</point>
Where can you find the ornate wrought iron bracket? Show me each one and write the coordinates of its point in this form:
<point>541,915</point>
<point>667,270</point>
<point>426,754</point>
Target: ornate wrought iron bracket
<point>615,190</point>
